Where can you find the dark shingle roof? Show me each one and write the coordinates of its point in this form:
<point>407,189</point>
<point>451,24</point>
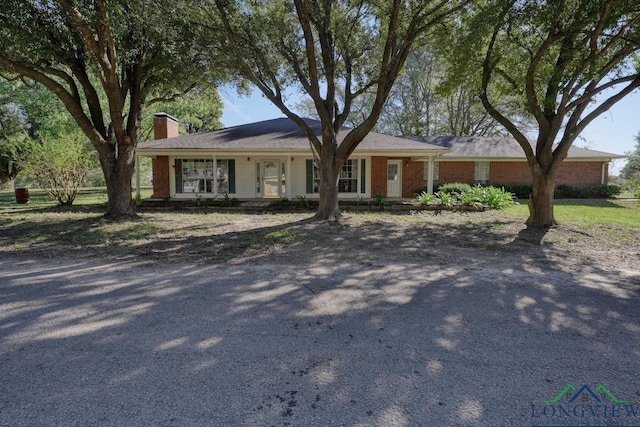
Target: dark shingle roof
<point>276,135</point>
<point>498,147</point>
<point>283,134</point>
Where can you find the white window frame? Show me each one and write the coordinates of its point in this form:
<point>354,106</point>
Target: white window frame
<point>482,172</point>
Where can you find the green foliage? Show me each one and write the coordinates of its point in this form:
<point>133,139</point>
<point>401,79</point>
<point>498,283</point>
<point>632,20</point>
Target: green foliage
<point>633,185</point>
<point>447,199</point>
<point>320,49</point>
<point>474,196</point>
<point>495,198</point>
<point>380,200</point>
<point>60,166</point>
<point>425,198</point>
<point>600,191</point>
<point>567,62</point>
<point>228,201</point>
<point>603,191</point>
<point>107,62</point>
<point>478,195</point>
<point>564,191</point>
<point>200,110</point>
<point>520,191</point>
<point>454,188</point>
<point>137,200</point>
<point>14,135</point>
<point>632,168</point>
<point>12,148</point>
<point>302,200</point>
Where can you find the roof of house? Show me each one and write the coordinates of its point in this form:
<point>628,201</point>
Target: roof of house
<point>498,148</point>
<point>283,135</point>
<point>277,135</point>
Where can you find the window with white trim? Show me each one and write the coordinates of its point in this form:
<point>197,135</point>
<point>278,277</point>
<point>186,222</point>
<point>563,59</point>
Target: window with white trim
<point>482,172</point>
<point>349,182</point>
<point>202,176</point>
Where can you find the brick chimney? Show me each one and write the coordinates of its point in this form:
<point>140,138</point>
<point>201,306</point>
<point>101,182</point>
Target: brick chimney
<point>164,126</point>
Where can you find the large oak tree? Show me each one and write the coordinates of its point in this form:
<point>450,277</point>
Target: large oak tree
<point>320,47</point>
<point>568,61</point>
<point>106,60</point>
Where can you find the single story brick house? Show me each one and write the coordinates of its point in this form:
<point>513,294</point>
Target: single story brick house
<point>273,159</point>
<point>501,161</point>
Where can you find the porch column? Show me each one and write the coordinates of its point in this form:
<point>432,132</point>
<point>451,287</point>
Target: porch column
<point>137,176</point>
<point>431,162</point>
<point>287,178</point>
<point>215,177</point>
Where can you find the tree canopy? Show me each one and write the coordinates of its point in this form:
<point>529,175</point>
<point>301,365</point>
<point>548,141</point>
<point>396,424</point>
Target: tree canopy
<point>14,142</point>
<point>322,47</point>
<point>567,61</point>
<point>632,167</point>
<point>106,60</point>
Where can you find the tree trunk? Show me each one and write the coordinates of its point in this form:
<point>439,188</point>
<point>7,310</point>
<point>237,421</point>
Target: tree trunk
<point>541,200</point>
<point>328,208</point>
<point>118,174</point>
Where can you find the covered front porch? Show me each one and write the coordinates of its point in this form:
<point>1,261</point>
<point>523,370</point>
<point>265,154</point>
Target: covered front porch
<point>282,176</point>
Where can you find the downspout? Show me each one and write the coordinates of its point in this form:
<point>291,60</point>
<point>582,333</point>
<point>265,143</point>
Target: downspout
<point>603,179</point>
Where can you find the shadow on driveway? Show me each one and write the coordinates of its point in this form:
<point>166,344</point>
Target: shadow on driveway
<point>336,343</point>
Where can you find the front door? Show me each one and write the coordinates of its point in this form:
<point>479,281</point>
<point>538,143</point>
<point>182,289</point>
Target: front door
<point>271,178</point>
<point>394,181</point>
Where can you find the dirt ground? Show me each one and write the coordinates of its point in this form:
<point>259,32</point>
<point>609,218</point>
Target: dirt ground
<point>194,237</point>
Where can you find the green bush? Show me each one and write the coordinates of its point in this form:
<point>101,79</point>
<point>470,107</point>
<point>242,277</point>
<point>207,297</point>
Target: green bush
<point>453,188</point>
<point>380,200</point>
<point>425,198</point>
<point>603,191</point>
<point>478,195</point>
<point>600,191</point>
<point>564,191</point>
<point>633,185</point>
<point>474,196</point>
<point>521,191</point>
<point>60,165</point>
<point>496,198</point>
<point>447,199</point>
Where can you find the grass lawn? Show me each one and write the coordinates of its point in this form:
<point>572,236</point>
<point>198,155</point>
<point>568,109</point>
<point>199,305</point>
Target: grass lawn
<point>90,196</point>
<point>589,211</point>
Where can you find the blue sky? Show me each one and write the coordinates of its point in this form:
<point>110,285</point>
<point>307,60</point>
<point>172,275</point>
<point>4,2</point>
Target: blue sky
<point>612,132</point>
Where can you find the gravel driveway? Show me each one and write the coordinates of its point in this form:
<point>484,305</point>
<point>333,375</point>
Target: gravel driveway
<point>108,343</point>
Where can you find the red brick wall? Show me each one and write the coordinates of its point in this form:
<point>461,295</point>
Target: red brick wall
<point>378,175</point>
<point>577,174</point>
<point>580,174</point>
<point>160,170</point>
<point>457,172</point>
<point>412,176</point>
<point>509,173</point>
